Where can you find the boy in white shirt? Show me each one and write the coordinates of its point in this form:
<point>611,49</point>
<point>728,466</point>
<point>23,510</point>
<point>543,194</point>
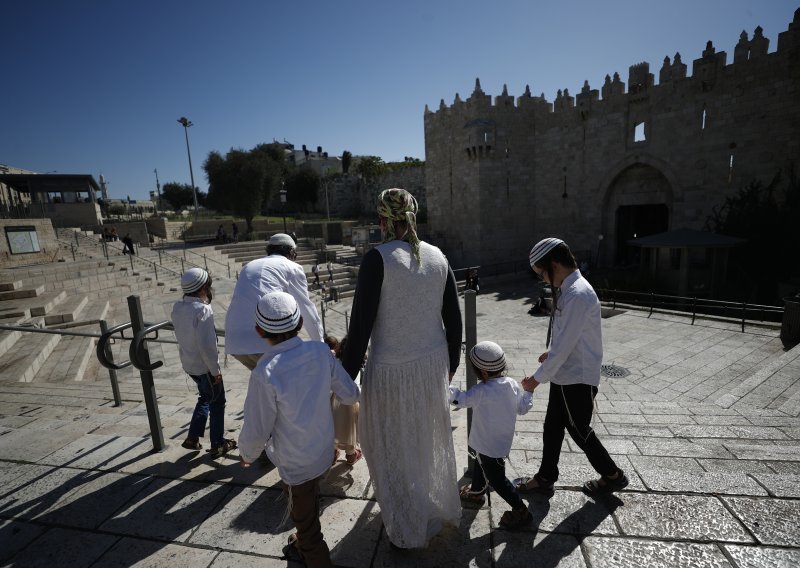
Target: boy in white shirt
<point>193,320</point>
<point>496,402</point>
<point>288,408</point>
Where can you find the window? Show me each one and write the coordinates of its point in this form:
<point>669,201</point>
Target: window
<point>638,132</point>
<point>22,240</point>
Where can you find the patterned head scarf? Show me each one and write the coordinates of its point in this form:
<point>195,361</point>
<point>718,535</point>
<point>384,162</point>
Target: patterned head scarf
<point>398,205</point>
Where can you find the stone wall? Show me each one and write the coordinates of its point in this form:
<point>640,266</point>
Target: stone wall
<point>502,174</point>
<point>45,235</point>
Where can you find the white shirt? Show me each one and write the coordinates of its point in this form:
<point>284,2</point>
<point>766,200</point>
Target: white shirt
<point>496,404</point>
<point>193,320</point>
<point>288,404</point>
<point>576,347</point>
<point>274,273</point>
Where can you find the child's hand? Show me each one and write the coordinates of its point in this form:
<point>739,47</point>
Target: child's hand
<point>218,379</point>
<point>543,356</point>
<point>529,383</point>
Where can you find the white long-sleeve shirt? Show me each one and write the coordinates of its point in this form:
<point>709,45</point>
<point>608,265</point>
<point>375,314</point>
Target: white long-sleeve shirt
<point>576,348</point>
<point>274,273</point>
<point>496,404</point>
<point>193,320</point>
<point>288,404</point>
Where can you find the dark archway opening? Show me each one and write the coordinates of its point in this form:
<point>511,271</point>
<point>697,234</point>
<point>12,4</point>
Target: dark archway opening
<point>635,221</point>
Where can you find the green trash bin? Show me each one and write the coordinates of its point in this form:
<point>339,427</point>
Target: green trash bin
<point>790,326</point>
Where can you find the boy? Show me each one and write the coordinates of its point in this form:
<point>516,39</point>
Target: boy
<point>496,402</point>
<point>193,320</point>
<point>288,408</point>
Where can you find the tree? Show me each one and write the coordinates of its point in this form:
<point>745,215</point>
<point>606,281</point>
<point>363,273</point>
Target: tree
<point>370,167</point>
<point>243,179</point>
<point>765,215</point>
<point>178,195</point>
<point>347,158</point>
<point>302,187</point>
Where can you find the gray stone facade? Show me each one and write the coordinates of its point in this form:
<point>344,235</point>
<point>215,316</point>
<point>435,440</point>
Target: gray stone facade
<point>501,175</point>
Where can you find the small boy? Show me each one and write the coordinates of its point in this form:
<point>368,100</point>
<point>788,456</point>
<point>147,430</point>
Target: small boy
<point>496,401</point>
<point>288,408</point>
<point>193,320</point>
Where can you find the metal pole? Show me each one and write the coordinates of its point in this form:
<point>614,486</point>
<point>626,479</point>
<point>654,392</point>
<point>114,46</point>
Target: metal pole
<point>112,374</point>
<point>183,268</point>
<point>72,248</point>
<point>322,313</point>
<point>205,261</point>
<point>186,124</point>
<point>130,257</point>
<point>471,332</point>
<point>148,386</point>
<point>159,257</point>
<point>155,269</point>
<point>229,270</point>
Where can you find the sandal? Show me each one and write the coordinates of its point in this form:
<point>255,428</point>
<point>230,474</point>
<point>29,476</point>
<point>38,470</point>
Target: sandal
<point>606,484</point>
<point>535,484</point>
<point>515,518</point>
<point>226,446</point>
<point>471,499</point>
<point>351,459</point>
<point>192,444</point>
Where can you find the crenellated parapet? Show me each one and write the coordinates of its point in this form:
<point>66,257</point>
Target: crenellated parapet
<point>707,71</point>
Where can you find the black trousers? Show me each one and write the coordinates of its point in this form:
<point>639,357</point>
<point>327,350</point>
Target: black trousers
<point>493,470</point>
<point>576,401</point>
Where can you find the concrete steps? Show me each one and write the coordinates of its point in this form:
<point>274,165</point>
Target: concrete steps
<point>20,293</point>
<point>29,353</point>
<point>67,311</point>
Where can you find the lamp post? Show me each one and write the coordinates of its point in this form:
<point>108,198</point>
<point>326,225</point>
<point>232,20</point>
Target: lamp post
<point>158,190</point>
<point>186,123</point>
<point>283,204</point>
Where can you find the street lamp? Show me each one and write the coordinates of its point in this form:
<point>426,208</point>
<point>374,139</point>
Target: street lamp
<point>186,123</point>
<point>283,205</point>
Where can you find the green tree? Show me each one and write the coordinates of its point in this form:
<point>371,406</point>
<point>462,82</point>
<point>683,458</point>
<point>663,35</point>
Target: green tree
<point>369,167</point>
<point>178,195</point>
<point>302,187</point>
<point>243,179</point>
<point>347,158</point>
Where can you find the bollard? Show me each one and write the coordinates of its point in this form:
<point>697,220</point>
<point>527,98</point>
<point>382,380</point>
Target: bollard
<point>112,374</point>
<point>148,386</point>
<point>471,332</point>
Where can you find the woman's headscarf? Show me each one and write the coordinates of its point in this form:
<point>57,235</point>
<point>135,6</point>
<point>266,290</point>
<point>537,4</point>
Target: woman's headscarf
<point>398,205</point>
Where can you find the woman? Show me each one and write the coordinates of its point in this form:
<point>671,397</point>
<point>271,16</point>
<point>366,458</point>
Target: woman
<point>572,366</point>
<point>406,302</point>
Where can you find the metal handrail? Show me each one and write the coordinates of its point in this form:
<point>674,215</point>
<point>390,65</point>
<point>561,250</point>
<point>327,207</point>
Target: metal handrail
<point>136,346</point>
<point>101,347</point>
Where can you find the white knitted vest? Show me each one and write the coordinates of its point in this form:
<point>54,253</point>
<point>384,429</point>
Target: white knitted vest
<point>409,321</point>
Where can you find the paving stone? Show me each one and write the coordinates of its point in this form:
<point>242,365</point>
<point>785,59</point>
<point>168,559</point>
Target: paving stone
<point>31,445</point>
<point>742,466</point>
<point>763,451</point>
<point>635,553</point>
<point>548,549</point>
<point>64,547</point>
<point>737,432</point>
<point>700,482</point>
<point>678,517</point>
<point>167,509</point>
<point>670,463</point>
<point>681,448</point>
<point>780,485</point>
<point>16,535</point>
<point>133,552</point>
<point>568,512</point>
<point>760,557</point>
<point>772,521</point>
<point>466,545</point>
<point>234,560</point>
<point>790,467</point>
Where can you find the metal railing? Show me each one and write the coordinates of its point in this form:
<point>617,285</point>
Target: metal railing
<point>739,311</point>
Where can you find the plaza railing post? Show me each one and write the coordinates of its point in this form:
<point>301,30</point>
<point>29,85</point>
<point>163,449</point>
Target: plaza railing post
<point>148,386</point>
<point>183,268</point>
<point>471,332</point>
<point>322,313</point>
<point>112,374</point>
<point>72,248</point>
<point>130,257</point>
<point>155,269</point>
<point>205,261</point>
<point>229,270</point>
<point>159,258</point>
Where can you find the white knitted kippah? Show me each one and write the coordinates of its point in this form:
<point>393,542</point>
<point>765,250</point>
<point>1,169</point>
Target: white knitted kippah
<point>281,239</point>
<point>542,248</point>
<point>488,356</point>
<point>277,312</point>
<point>193,279</point>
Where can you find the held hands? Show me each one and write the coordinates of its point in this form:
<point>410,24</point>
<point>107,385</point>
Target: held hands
<point>529,383</point>
<point>543,356</point>
<point>217,379</point>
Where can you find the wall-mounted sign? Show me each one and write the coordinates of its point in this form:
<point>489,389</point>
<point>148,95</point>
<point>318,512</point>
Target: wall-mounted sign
<point>22,240</point>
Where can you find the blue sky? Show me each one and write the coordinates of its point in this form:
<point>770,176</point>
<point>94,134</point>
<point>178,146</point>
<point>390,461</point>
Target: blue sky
<point>96,87</point>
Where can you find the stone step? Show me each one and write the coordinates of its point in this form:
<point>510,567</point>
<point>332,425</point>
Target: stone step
<point>8,338</point>
<point>9,286</point>
<point>22,293</point>
<point>28,355</point>
<point>66,311</point>
<point>8,313</point>
<point>47,302</point>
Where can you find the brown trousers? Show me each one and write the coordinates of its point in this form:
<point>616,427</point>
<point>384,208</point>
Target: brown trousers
<point>305,515</point>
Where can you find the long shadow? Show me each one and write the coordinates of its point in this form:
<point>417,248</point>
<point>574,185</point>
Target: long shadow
<point>562,540</point>
<point>144,505</point>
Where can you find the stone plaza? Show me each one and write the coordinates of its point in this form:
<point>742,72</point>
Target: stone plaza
<point>703,418</point>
